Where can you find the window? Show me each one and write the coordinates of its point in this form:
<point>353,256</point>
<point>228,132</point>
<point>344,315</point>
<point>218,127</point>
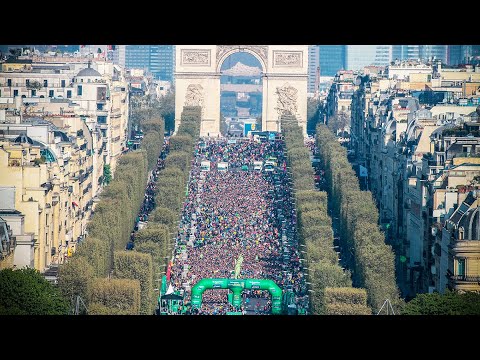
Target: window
<point>45,83</point>
<point>102,120</point>
<point>69,94</point>
<point>461,263</point>
<point>27,82</point>
<point>15,93</point>
<point>63,83</point>
<point>9,82</point>
<point>34,93</point>
<point>99,106</point>
<point>50,93</point>
<point>79,90</point>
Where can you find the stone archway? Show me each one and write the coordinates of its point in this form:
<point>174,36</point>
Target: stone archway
<point>197,82</point>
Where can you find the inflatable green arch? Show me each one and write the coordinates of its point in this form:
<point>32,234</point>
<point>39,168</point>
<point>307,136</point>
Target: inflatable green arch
<point>237,286</point>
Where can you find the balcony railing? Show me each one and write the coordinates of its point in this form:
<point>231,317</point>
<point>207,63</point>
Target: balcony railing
<point>465,278</point>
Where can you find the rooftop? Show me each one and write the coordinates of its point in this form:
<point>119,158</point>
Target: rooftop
<point>89,72</point>
<point>12,60</point>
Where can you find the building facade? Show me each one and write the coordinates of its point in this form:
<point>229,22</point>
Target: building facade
<point>422,161</point>
<point>61,122</point>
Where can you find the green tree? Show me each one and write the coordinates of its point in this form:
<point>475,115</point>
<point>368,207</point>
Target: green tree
<point>346,301</point>
<point>167,110</point>
<point>138,266</point>
<point>74,278</point>
<point>26,292</point>
<point>314,224</point>
<point>450,303</point>
<point>114,297</point>
<point>107,174</point>
<point>314,109</point>
<point>156,231</point>
<point>372,260</point>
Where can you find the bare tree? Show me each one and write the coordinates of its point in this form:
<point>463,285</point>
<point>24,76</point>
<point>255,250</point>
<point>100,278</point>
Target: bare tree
<point>338,122</point>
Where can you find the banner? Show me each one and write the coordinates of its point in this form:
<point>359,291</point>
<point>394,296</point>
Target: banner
<point>248,128</point>
<point>169,269</point>
<point>363,171</point>
<point>164,285</point>
<point>238,266</point>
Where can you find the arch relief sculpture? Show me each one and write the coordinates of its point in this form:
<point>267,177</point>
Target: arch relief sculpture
<point>287,100</point>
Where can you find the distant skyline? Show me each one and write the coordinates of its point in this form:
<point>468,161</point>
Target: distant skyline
<point>244,58</point>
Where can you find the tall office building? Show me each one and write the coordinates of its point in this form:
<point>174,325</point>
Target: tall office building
<point>422,52</point>
<point>470,54</point>
<point>119,55</point>
<point>313,63</point>
<point>455,54</point>
<point>404,52</point>
<point>157,59</point>
<point>332,59</point>
<point>137,57</point>
<point>162,61</point>
<point>359,56</point>
<point>439,52</point>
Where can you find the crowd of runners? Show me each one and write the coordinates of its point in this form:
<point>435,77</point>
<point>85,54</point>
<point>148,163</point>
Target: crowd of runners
<point>236,212</point>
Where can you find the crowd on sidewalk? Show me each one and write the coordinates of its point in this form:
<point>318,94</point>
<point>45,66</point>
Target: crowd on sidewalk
<point>148,203</point>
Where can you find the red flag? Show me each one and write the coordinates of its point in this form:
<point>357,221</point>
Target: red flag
<point>169,269</point>
<point>75,204</point>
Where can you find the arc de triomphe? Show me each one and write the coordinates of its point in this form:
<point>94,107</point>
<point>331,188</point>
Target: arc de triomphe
<point>284,72</point>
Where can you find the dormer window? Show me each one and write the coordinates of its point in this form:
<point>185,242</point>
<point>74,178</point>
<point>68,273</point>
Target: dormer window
<point>461,233</point>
